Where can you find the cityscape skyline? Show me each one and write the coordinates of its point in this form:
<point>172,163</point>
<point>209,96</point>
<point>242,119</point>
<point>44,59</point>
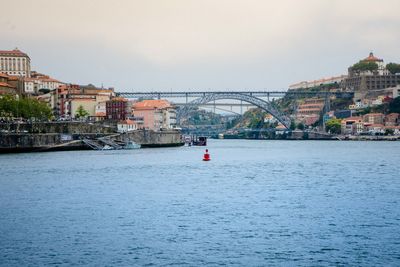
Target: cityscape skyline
<point>178,45</point>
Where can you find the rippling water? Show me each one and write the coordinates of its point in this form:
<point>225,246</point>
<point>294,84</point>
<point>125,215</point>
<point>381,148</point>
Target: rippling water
<point>257,203</point>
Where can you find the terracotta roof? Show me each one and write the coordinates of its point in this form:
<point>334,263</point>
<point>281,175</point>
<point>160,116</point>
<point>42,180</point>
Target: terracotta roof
<point>6,85</point>
<point>119,99</point>
<point>13,53</point>
<point>352,119</point>
<point>127,121</point>
<point>152,104</point>
<point>13,78</point>
<point>372,58</point>
<point>374,114</point>
<point>83,99</point>
<point>49,80</point>
<point>4,75</point>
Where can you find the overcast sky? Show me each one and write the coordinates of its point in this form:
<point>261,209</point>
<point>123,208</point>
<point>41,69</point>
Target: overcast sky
<point>182,44</point>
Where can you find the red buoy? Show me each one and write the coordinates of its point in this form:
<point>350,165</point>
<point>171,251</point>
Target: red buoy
<point>206,156</point>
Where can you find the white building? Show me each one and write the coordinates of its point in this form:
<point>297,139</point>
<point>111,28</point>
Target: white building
<point>126,126</point>
<point>33,85</point>
<point>315,83</point>
<point>14,62</point>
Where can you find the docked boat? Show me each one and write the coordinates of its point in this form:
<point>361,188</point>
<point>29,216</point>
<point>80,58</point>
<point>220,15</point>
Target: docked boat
<point>132,145</point>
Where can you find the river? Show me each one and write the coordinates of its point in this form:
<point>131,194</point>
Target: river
<point>256,203</point>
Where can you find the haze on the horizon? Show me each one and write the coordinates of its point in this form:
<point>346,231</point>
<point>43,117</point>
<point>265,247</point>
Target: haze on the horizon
<point>181,44</point>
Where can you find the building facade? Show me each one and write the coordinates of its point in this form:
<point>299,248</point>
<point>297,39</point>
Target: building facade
<point>155,114</point>
<point>6,86</point>
<point>315,83</point>
<point>118,109</point>
<point>15,62</point>
<point>365,81</point>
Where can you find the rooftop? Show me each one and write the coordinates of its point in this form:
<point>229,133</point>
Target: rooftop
<point>152,104</point>
<point>372,58</point>
<point>13,53</point>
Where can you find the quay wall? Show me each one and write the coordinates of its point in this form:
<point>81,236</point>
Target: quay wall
<point>24,137</point>
<point>57,127</point>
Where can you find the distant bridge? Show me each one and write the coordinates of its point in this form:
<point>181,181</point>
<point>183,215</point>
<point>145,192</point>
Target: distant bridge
<point>256,93</point>
<point>252,97</point>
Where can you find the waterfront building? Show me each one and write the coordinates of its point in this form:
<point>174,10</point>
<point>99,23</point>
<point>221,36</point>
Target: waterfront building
<point>88,104</point>
<point>155,114</point>
<point>15,62</point>
<point>270,119</point>
<point>373,118</point>
<point>118,108</point>
<point>352,125</point>
<point>66,99</point>
<point>392,119</point>
<point>375,128</point>
<point>101,111</point>
<point>366,81</point>
<point>126,126</point>
<point>309,111</point>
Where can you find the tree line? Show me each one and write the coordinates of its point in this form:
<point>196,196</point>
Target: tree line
<point>26,108</point>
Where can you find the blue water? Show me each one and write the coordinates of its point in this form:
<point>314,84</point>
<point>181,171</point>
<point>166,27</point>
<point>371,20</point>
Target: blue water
<point>256,203</point>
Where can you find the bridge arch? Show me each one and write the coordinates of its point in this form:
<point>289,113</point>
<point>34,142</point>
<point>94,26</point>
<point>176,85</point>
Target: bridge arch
<point>265,105</point>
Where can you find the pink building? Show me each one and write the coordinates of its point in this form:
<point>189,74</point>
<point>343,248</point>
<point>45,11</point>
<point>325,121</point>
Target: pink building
<point>154,114</point>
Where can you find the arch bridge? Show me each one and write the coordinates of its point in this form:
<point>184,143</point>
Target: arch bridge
<point>265,105</point>
<point>252,97</point>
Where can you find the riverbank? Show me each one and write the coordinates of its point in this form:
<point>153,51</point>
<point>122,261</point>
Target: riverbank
<point>39,137</point>
<point>310,135</point>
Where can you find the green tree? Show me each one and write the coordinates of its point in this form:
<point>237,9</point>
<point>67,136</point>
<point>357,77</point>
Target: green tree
<point>389,132</point>
<point>394,105</point>
<point>393,68</point>
<point>364,66</point>
<point>300,126</point>
<point>27,108</point>
<point>81,112</point>
<point>292,125</point>
<point>333,126</point>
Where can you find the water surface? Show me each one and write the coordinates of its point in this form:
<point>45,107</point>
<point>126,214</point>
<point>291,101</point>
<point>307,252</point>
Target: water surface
<point>256,203</point>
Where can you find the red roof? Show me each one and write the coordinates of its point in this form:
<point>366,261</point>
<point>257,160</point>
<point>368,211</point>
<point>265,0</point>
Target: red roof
<point>127,121</point>
<point>352,119</point>
<point>372,58</point>
<point>152,104</point>
<point>13,53</point>
<point>6,85</point>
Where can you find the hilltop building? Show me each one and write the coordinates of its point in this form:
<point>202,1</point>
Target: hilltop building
<point>315,83</point>
<point>38,81</point>
<point>364,82</point>
<point>15,62</point>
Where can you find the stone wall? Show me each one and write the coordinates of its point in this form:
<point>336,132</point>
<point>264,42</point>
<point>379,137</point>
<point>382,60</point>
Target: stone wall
<point>57,127</point>
<point>25,142</point>
<point>148,138</point>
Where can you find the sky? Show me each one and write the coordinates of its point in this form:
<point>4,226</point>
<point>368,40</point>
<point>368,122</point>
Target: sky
<point>193,45</point>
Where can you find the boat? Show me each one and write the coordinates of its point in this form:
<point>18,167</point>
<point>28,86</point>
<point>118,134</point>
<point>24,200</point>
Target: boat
<point>131,145</point>
<point>200,141</point>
